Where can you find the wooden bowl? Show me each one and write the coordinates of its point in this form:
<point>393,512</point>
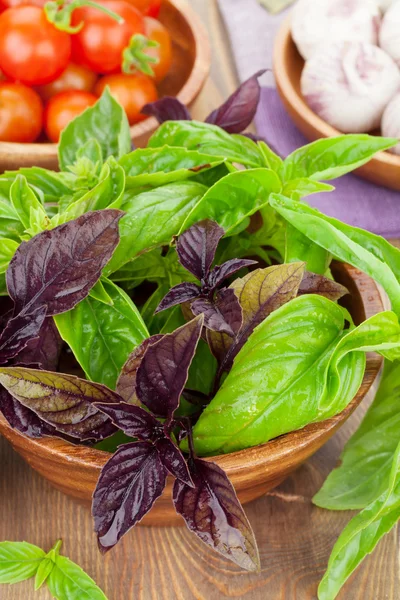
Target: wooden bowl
<point>383,169</point>
<point>191,60</point>
<point>75,469</point>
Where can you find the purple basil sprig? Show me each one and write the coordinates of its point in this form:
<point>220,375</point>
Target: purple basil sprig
<point>234,115</point>
<point>196,249</point>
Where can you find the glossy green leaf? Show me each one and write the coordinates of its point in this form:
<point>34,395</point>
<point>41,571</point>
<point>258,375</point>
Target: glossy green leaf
<point>299,247</point>
<point>7,251</point>
<point>10,225</point>
<point>67,581</point>
<point>102,336</point>
<point>299,366</point>
<point>208,139</point>
<point>202,370</point>
<point>24,200</point>
<point>234,197</point>
<point>98,292</point>
<point>150,265</point>
<point>44,570</point>
<point>271,159</point>
<point>159,166</point>
<point>304,186</point>
<point>366,251</point>
<point>106,122</point>
<point>3,286</point>
<point>153,218</point>
<point>51,184</point>
<point>19,561</point>
<point>362,534</point>
<point>366,460</point>
<point>330,158</point>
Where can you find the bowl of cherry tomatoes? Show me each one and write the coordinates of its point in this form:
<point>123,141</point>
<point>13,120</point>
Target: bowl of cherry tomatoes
<point>56,59</point>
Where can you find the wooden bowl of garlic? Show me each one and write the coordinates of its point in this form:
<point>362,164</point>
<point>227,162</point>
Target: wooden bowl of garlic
<point>331,92</point>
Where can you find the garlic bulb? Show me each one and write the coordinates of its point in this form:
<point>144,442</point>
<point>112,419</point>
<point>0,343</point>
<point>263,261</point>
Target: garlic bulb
<point>389,37</point>
<point>316,23</point>
<point>391,121</point>
<point>349,85</point>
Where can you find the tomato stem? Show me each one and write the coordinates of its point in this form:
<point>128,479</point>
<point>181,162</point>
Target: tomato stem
<point>135,57</point>
<point>59,12</point>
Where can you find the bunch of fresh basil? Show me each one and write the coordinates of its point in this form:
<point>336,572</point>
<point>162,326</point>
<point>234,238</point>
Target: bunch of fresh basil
<point>102,254</point>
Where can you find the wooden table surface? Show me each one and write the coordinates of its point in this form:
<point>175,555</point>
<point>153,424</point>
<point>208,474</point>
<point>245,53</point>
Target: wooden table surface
<point>295,537</point>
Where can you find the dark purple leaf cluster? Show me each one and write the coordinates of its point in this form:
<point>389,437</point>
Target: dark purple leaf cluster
<point>48,275</point>
<point>196,249</point>
<point>234,115</point>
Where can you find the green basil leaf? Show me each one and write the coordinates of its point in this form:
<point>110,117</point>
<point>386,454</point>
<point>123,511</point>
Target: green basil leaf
<point>7,251</point>
<point>106,122</point>
<point>362,534</point>
<point>98,292</point>
<point>300,248</point>
<point>203,369</point>
<point>208,139</point>
<point>159,166</point>
<point>24,200</point>
<point>91,150</point>
<point>44,570</point>
<point>272,160</point>
<point>19,561</point>
<point>330,158</point>
<point>10,223</point>
<point>102,336</point>
<point>304,186</point>
<point>3,286</point>
<point>49,183</point>
<point>152,219</point>
<point>367,457</point>
<point>234,198</point>
<point>67,581</point>
<point>366,251</point>
<point>150,265</point>
<point>298,367</point>
<point>209,177</point>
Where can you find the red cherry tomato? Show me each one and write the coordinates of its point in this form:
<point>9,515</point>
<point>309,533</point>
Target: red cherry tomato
<point>131,91</point>
<point>4,4</point>
<point>101,41</point>
<point>62,108</point>
<point>32,50</point>
<point>21,113</point>
<point>75,77</point>
<point>150,8</point>
<point>156,31</point>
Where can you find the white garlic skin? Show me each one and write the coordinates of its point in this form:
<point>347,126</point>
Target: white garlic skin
<point>389,36</point>
<point>349,85</point>
<point>391,122</point>
<point>316,23</point>
<point>385,4</point>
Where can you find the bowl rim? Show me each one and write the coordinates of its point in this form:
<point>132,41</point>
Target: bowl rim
<point>258,456</point>
<point>195,81</point>
<point>289,93</point>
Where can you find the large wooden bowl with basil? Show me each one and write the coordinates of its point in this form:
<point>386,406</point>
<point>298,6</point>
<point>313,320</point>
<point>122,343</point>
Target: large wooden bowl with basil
<point>75,469</point>
<point>191,59</point>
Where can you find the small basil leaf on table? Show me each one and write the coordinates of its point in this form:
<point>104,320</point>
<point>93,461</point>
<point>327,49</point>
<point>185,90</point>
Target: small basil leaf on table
<point>159,166</point>
<point>208,139</point>
<point>64,401</point>
<point>152,218</point>
<point>213,512</point>
<point>24,200</point>
<point>101,335</point>
<point>333,157</point>
<point>44,570</point>
<point>67,581</point>
<point>106,122</point>
<point>366,251</point>
<point>129,484</point>
<point>19,561</point>
<point>8,248</point>
<point>234,197</point>
<point>367,458</point>
<point>362,534</point>
<point>11,226</point>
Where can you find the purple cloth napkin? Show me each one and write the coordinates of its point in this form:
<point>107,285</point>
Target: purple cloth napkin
<point>356,201</point>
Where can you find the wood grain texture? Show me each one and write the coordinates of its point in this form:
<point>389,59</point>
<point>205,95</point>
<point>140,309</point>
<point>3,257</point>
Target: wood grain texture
<point>295,537</point>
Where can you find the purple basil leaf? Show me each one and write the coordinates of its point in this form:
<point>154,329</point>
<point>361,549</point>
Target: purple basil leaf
<point>19,331</point>
<point>318,284</point>
<point>129,484</point>
<point>183,292</point>
<point>133,420</point>
<point>126,384</point>
<point>221,272</point>
<point>44,350</point>
<point>236,114</point>
<point>21,418</point>
<point>173,460</point>
<point>195,397</point>
<point>167,109</point>
<point>163,371</point>
<point>213,512</point>
<point>196,247</point>
<point>64,401</point>
<point>58,268</point>
<point>223,314</point>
